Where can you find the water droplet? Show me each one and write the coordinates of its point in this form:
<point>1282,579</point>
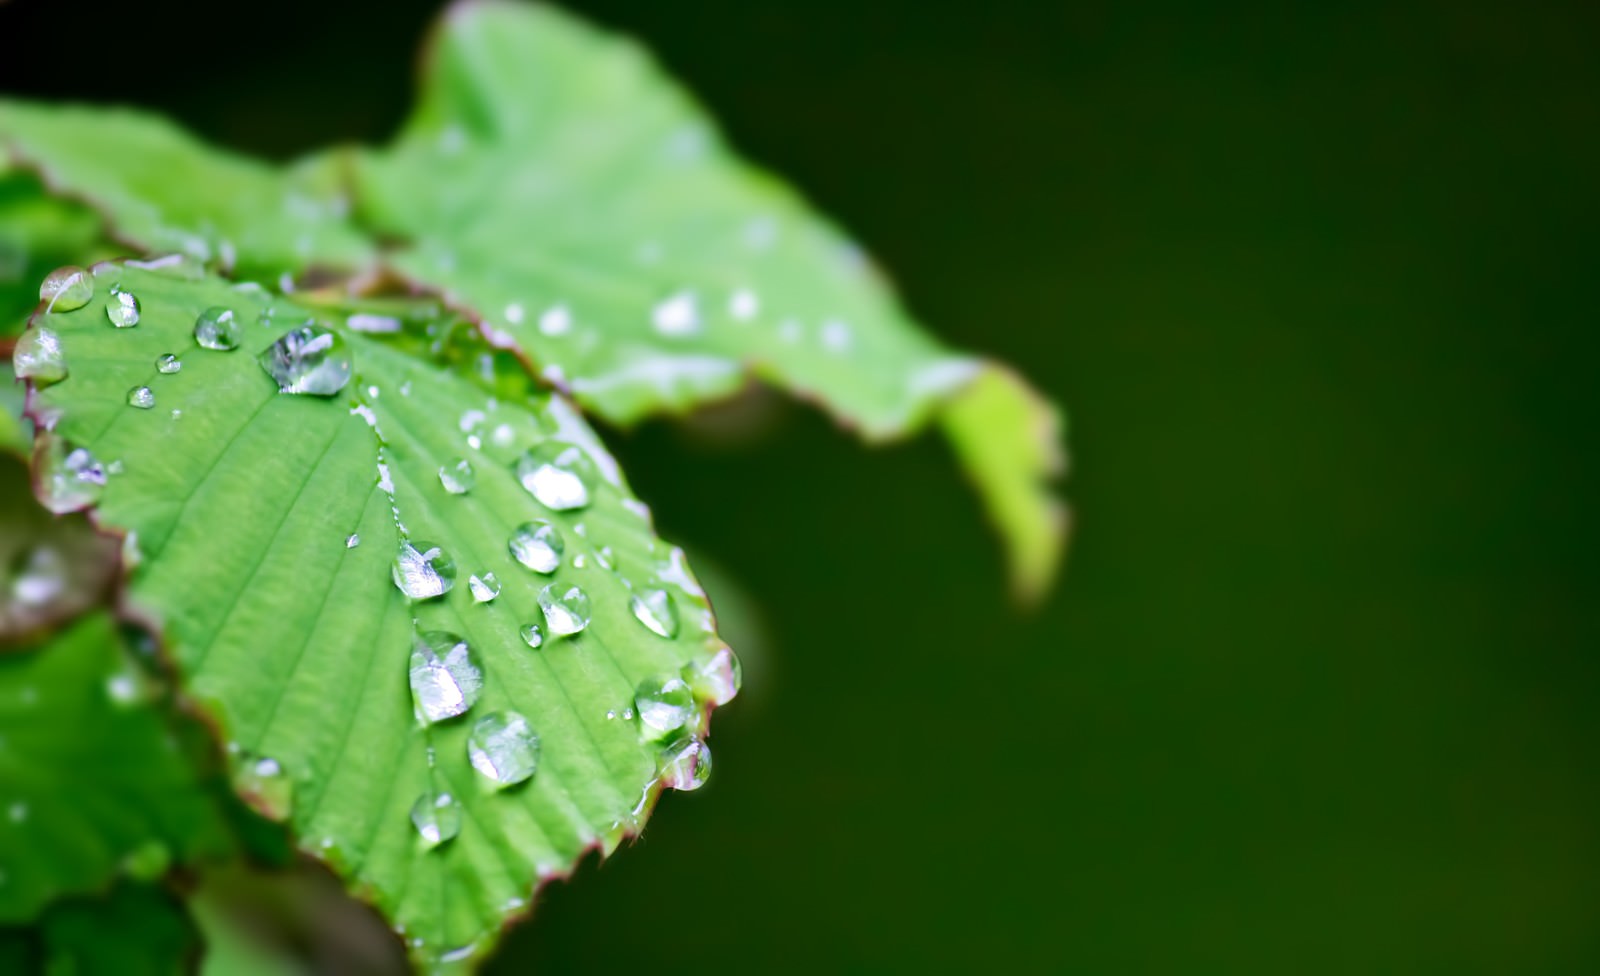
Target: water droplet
<point>123,689</point>
<point>352,540</point>
<point>470,421</point>
<point>677,315</point>
<point>42,578</point>
<point>437,817</point>
<point>265,785</point>
<point>457,477</point>
<point>71,477</point>
<point>38,356</point>
<point>504,748</point>
<point>556,474</point>
<point>717,680</point>
<point>538,545</point>
<point>177,414</point>
<point>423,570</point>
<point>532,636</point>
<point>217,328</point>
<point>122,308</point>
<point>566,608</point>
<point>484,588</point>
<point>142,397</point>
<point>655,609</point>
<point>685,764</point>
<point>310,360</point>
<point>743,305</point>
<point>665,705</point>
<point>605,558</point>
<point>503,435</point>
<point>556,321</point>
<point>445,680</point>
<point>169,364</point>
<point>18,812</point>
<point>66,289</point>
<point>836,336</point>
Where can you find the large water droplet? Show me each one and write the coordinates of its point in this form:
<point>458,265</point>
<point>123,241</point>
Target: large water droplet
<point>423,570</point>
<point>504,748</point>
<point>677,315</point>
<point>532,636</point>
<point>655,609</point>
<point>665,705</point>
<point>437,817</point>
<point>308,360</point>
<point>685,764</point>
<point>122,308</point>
<point>717,680</point>
<point>538,545</point>
<point>566,608</point>
<point>71,478</point>
<point>457,477</point>
<point>445,681</point>
<point>558,475</point>
<point>38,357</point>
<point>142,397</point>
<point>263,782</point>
<point>168,364</point>
<point>65,289</point>
<point>217,328</point>
<point>484,588</point>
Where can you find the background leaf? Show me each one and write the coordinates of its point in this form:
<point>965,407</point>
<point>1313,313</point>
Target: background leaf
<point>162,190</point>
<point>269,526</point>
<point>95,781</point>
<point>38,233</point>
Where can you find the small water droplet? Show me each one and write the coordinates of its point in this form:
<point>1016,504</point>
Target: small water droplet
<point>665,705</point>
<point>484,588</point>
<point>655,609</point>
<point>122,689</point>
<point>558,475</point>
<point>685,764</point>
<point>717,680</point>
<point>566,608</point>
<point>142,397</point>
<point>265,784</point>
<point>423,570</point>
<point>504,748</point>
<point>677,315</point>
<point>605,558</point>
<point>503,435</point>
<point>532,636</point>
<point>743,305</point>
<point>470,421</point>
<point>538,545</point>
<point>457,477</point>
<point>445,681</point>
<point>437,817</point>
<point>168,364</point>
<point>556,321</point>
<point>177,414</point>
<point>38,357</point>
<point>352,540</point>
<point>65,289</point>
<point>122,308</point>
<point>217,328</point>
<point>42,578</point>
<point>71,478</point>
<point>309,360</point>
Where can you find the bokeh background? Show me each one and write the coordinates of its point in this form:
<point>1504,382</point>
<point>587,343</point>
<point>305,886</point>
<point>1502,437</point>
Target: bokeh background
<point>1318,691</point>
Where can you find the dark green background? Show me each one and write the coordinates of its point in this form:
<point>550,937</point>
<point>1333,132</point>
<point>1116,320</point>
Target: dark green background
<point>1318,691</point>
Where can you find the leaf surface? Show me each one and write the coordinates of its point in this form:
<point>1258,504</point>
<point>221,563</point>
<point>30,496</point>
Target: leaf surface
<point>269,526</point>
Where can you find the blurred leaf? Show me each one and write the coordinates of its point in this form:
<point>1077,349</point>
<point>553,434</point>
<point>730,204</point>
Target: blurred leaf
<point>94,781</point>
<point>556,183</point>
<point>297,639</point>
<point>38,233</point>
<point>162,190</point>
<point>52,568</point>
<point>16,434</point>
<point>136,930</point>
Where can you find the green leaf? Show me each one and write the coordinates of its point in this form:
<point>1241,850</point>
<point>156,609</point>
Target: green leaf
<point>16,436</point>
<point>94,780</point>
<point>554,182</point>
<point>38,233</point>
<point>51,568</point>
<point>136,930</point>
<point>298,641</point>
<point>162,190</point>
